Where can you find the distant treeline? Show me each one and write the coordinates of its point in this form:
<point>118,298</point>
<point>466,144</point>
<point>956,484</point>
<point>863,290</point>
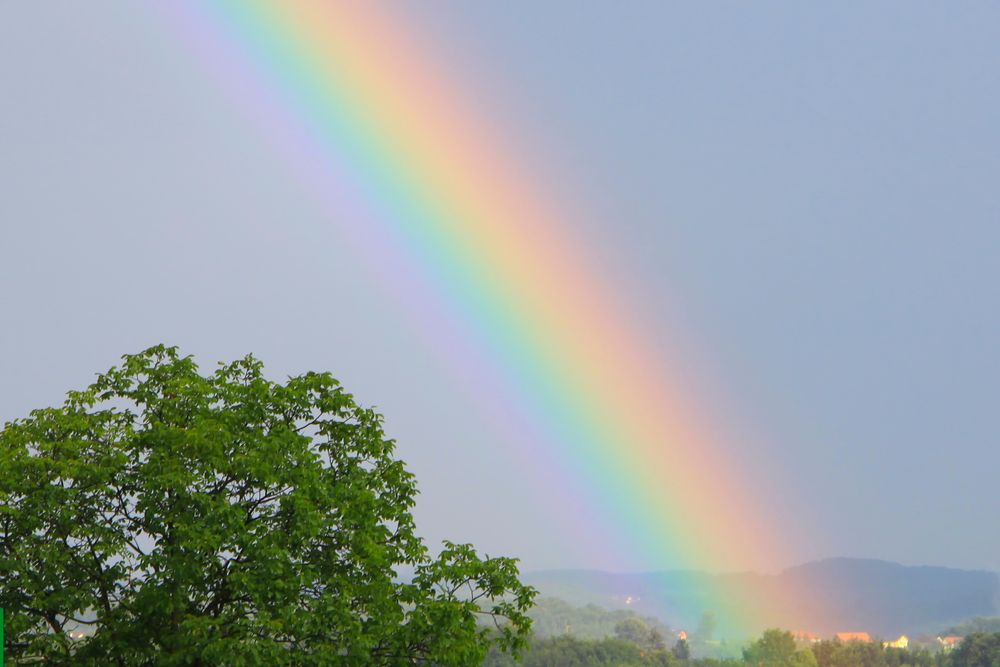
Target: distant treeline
<point>775,648</point>
<point>982,624</point>
<point>565,635</point>
<point>552,617</point>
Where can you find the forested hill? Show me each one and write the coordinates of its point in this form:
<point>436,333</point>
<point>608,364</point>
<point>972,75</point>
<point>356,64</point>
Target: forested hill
<point>882,598</point>
<point>553,617</point>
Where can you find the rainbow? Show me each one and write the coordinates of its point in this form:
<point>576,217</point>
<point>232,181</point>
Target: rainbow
<point>376,125</point>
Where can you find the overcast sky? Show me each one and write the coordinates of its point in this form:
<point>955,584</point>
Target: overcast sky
<point>810,190</point>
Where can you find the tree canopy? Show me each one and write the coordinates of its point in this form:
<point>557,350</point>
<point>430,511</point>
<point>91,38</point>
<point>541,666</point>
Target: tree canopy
<point>553,617</point>
<point>978,650</point>
<point>776,648</point>
<point>162,516</point>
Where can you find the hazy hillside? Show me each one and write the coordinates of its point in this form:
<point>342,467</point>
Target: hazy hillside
<point>553,617</point>
<point>983,624</point>
<point>882,598</point>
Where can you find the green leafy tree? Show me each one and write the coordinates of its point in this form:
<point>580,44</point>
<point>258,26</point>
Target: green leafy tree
<point>776,648</point>
<point>632,629</point>
<point>636,631</point>
<point>835,653</point>
<point>978,650</point>
<point>188,519</point>
<point>655,640</point>
<point>569,651</point>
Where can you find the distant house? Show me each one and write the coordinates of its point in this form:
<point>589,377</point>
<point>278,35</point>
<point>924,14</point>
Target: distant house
<point>806,637</point>
<point>902,642</point>
<point>949,642</point>
<point>854,637</point>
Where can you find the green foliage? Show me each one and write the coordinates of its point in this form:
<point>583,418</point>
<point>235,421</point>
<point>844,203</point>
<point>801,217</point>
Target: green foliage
<point>681,650</point>
<point>573,652</point>
<point>835,653</point>
<point>978,650</point>
<point>776,648</point>
<point>552,617</point>
<point>987,624</point>
<point>190,519</point>
<point>635,630</point>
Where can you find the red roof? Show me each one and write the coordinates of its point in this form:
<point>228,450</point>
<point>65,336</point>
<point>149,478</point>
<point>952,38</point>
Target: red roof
<point>853,637</point>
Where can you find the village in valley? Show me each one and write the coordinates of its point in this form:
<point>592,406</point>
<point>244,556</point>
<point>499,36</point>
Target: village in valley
<point>945,643</point>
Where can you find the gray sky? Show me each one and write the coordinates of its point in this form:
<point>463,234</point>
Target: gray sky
<point>809,189</point>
